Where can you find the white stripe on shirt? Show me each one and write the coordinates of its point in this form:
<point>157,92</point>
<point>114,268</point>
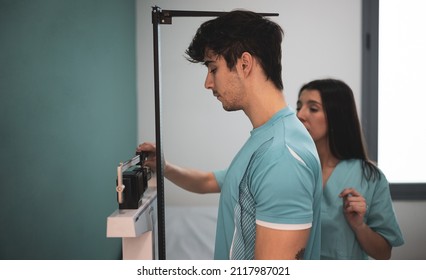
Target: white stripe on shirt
<point>284,226</point>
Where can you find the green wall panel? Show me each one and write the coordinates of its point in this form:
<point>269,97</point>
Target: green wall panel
<point>68,117</point>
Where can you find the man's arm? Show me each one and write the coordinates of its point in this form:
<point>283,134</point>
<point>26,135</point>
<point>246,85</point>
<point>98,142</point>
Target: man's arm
<point>189,179</point>
<point>280,244</point>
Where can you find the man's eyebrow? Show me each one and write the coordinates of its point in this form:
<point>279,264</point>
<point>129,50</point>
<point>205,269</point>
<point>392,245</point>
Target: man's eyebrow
<point>207,62</point>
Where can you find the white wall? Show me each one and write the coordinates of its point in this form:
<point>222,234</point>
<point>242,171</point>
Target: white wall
<point>322,39</point>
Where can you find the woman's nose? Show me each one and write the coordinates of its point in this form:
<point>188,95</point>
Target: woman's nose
<point>300,114</point>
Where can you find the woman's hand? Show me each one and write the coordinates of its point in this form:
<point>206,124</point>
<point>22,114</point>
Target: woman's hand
<point>354,207</point>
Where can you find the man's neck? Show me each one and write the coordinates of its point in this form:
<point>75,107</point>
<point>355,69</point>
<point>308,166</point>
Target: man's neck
<point>263,105</point>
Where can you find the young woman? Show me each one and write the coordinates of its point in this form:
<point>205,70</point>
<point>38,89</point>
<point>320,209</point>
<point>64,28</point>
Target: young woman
<point>357,216</point>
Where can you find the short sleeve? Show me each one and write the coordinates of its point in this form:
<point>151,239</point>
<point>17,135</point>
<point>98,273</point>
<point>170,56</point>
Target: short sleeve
<point>220,176</point>
<point>381,217</point>
<point>283,191</point>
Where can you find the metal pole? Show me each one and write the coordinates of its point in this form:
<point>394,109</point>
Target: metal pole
<point>158,139</point>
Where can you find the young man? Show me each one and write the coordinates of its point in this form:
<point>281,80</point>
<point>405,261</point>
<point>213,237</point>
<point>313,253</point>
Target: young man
<point>270,195</point>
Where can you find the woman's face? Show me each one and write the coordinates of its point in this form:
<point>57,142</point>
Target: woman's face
<point>311,113</point>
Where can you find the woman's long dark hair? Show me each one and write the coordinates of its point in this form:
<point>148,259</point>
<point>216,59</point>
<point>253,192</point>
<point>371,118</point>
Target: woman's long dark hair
<point>345,135</point>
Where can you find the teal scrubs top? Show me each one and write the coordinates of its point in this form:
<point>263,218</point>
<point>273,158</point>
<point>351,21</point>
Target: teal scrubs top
<point>338,241</point>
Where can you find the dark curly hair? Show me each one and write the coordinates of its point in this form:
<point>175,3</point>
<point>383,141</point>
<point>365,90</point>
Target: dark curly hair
<point>239,31</point>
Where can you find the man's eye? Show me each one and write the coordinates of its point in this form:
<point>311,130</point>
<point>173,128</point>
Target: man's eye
<point>213,70</point>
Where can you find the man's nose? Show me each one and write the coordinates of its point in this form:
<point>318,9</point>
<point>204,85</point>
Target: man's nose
<point>208,83</point>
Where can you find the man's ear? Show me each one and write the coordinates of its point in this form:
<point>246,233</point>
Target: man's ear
<point>246,62</point>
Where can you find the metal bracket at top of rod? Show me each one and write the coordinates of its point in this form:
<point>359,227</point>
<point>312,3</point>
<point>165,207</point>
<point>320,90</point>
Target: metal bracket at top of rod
<point>165,16</point>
